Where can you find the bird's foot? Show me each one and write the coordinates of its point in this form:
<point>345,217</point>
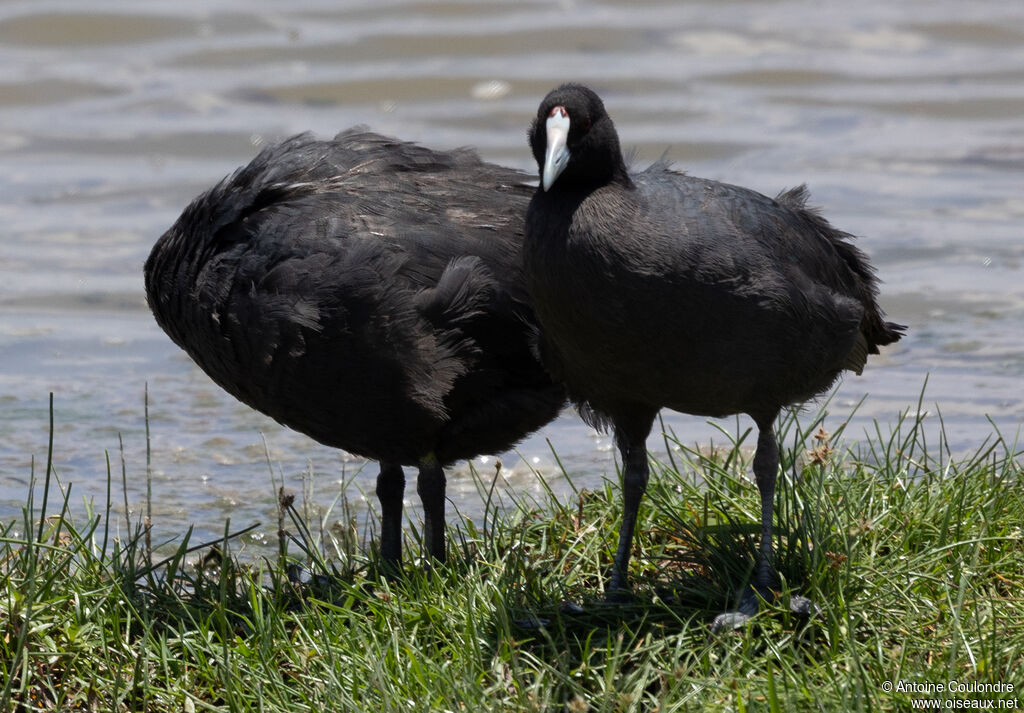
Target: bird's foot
<point>618,590</point>
<point>731,620</point>
<point>621,595</point>
<point>802,606</point>
<point>749,604</point>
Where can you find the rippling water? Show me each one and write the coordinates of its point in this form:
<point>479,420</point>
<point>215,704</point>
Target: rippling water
<point>906,119</point>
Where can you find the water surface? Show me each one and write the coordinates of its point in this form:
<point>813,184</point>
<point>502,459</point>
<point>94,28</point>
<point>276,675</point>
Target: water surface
<point>906,119</point>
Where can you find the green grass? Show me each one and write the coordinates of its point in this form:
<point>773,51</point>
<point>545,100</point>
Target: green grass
<point>916,558</point>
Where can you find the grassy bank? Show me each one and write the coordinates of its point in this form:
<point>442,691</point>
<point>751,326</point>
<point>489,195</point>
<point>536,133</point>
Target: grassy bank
<point>916,558</point>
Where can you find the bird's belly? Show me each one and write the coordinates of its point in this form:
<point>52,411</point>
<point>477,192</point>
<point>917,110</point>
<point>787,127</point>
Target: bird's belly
<point>640,373</point>
<point>684,363</point>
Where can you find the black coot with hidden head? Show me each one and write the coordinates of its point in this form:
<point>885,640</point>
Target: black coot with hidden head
<point>656,289</point>
<point>369,293</point>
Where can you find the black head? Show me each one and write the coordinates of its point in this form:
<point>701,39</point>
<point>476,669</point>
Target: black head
<point>574,134</point>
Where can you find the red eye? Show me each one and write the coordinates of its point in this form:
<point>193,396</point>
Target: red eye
<point>585,124</point>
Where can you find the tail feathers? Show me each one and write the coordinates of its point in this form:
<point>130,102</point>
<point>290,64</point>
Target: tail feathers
<point>884,333</point>
<point>874,330</point>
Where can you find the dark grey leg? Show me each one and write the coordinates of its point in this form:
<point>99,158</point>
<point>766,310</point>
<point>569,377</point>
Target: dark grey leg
<point>766,470</point>
<point>430,485</point>
<point>766,580</point>
<point>766,466</point>
<point>635,473</point>
<point>390,491</point>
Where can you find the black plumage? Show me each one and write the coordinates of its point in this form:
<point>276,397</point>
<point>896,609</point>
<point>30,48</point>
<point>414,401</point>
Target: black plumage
<point>656,289</point>
<point>369,293</point>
